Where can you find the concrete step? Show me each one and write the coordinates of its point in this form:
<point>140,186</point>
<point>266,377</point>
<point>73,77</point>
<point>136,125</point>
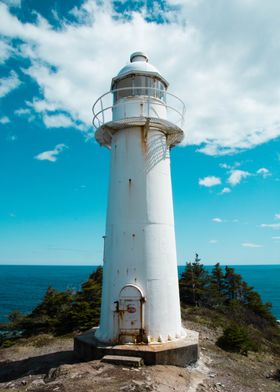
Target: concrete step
<point>123,360</point>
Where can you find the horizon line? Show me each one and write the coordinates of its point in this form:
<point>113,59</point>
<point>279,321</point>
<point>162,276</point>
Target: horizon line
<point>101,265</point>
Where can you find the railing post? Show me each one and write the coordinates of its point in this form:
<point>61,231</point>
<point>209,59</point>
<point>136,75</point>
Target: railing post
<point>101,104</point>
<point>149,102</point>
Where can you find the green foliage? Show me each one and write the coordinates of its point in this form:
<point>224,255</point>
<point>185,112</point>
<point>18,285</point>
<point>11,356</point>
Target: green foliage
<point>8,337</point>
<point>225,291</point>
<point>7,343</point>
<point>15,317</point>
<point>216,287</point>
<point>63,312</point>
<point>236,339</point>
<point>193,283</point>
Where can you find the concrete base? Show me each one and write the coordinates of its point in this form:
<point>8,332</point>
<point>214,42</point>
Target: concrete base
<point>181,352</point>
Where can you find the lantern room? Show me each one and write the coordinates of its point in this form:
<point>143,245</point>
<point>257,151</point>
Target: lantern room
<point>139,78</point>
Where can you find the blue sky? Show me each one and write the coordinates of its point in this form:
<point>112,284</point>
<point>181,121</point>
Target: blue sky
<point>58,57</point>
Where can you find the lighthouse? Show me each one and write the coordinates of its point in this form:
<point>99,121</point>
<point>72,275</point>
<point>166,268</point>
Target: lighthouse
<point>139,121</point>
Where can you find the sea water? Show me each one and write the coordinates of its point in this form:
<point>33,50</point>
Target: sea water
<point>22,287</point>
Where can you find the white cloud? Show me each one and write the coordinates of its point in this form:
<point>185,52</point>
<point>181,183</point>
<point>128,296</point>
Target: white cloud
<point>26,113</point>
<point>4,120</point>
<point>271,225</point>
<point>236,176</point>
<point>217,220</point>
<point>276,238</point>
<point>224,75</point>
<point>8,84</point>
<point>225,190</point>
<point>264,172</point>
<point>274,226</point>
<point>214,148</point>
<point>22,112</point>
<point>52,154</point>
<point>209,181</point>
<point>213,241</point>
<point>224,166</point>
<point>251,245</point>
<point>5,51</point>
<point>42,106</point>
<point>57,121</point>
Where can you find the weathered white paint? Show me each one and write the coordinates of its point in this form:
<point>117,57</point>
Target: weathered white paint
<point>139,107</point>
<point>139,248</point>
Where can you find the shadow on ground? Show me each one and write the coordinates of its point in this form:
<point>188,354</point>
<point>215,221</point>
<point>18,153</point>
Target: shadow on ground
<point>36,365</point>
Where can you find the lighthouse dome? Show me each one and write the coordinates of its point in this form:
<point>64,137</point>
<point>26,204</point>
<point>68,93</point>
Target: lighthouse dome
<point>139,65</point>
<point>138,62</point>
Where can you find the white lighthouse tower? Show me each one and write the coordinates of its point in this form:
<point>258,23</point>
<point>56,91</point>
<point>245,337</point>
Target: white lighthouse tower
<point>140,295</point>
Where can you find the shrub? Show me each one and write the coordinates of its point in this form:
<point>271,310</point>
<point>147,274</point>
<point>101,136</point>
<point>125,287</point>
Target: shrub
<point>236,339</point>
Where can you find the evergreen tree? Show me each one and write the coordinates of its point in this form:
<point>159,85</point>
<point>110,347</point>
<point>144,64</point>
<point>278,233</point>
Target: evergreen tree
<point>193,283</point>
<point>252,300</point>
<point>217,278</point>
<point>232,284</point>
<point>217,286</point>
<point>85,311</point>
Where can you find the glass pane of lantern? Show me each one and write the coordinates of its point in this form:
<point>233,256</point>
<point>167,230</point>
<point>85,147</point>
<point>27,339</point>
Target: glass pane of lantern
<point>139,85</point>
<point>124,88</point>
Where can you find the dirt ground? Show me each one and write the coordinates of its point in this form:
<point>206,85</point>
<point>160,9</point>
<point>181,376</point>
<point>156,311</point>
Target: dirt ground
<point>47,364</point>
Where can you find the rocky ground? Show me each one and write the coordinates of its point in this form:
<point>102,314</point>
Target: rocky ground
<point>47,364</point>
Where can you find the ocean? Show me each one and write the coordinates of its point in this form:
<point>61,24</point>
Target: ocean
<point>22,287</point>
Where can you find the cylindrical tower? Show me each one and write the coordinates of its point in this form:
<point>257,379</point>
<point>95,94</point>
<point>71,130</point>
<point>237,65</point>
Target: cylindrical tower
<point>140,295</point>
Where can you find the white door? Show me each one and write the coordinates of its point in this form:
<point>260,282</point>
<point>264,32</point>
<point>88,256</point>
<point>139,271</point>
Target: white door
<point>130,314</point>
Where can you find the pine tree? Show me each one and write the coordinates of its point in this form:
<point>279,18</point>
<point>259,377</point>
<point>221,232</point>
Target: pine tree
<point>233,284</point>
<point>217,287</point>
<point>217,278</point>
<point>193,283</point>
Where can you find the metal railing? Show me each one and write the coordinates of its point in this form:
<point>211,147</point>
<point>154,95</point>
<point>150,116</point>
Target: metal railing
<point>153,99</point>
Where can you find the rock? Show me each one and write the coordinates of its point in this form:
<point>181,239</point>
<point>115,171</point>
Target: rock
<point>52,375</point>
<point>37,383</point>
<point>75,375</point>
<point>138,383</point>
